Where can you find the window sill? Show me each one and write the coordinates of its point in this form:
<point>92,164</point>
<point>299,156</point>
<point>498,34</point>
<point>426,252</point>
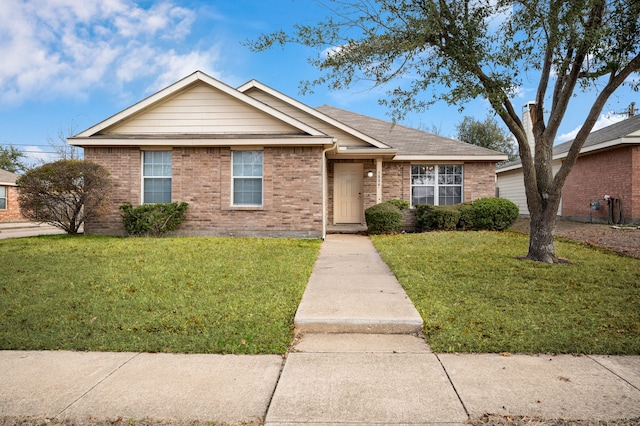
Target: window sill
<point>247,208</point>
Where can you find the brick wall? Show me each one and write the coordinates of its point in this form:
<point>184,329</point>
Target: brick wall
<point>479,182</point>
<point>201,176</point>
<point>616,173</point>
<point>12,212</point>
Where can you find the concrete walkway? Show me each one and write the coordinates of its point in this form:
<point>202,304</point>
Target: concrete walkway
<point>362,372</point>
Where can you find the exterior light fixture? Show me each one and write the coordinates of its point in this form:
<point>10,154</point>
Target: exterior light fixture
<point>370,173</point>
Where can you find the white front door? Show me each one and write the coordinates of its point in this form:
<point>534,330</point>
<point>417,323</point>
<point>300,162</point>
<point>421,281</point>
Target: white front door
<point>347,193</point>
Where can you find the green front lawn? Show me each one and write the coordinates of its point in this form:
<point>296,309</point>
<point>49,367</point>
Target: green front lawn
<point>475,296</point>
<point>191,295</point>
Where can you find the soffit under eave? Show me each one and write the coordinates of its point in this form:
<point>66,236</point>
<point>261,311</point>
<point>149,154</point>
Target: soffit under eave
<point>200,142</point>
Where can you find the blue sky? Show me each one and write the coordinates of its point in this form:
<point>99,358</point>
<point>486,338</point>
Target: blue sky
<point>73,63</point>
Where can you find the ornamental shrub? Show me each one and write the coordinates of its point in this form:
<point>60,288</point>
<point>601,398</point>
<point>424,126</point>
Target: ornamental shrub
<point>439,218</point>
<point>466,221</point>
<point>65,193</point>
<point>401,204</point>
<point>384,218</point>
<point>152,219</point>
<point>494,214</point>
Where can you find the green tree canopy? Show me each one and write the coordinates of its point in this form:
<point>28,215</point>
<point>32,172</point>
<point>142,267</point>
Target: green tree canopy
<point>457,51</point>
<point>11,159</point>
<point>487,134</point>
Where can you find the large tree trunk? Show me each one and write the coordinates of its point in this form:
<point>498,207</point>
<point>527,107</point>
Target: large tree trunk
<point>542,229</point>
<point>541,233</point>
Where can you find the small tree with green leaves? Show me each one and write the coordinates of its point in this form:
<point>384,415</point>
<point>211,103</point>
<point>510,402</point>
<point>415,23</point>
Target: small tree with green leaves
<point>64,193</point>
<point>487,134</point>
<point>11,159</point>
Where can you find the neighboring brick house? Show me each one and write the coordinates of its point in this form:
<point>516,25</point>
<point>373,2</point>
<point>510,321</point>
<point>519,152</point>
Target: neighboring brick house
<point>252,161</point>
<point>9,207</point>
<point>608,165</point>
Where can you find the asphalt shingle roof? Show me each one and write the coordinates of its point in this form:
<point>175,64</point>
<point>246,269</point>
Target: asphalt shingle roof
<point>610,133</point>
<point>7,177</point>
<point>407,140</point>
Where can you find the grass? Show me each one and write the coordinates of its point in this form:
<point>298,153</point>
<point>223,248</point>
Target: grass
<point>475,296</point>
<point>186,295</point>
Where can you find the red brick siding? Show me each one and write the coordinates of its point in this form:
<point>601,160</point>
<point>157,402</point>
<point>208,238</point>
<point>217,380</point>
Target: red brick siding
<point>615,172</point>
<point>12,212</point>
<point>292,189</point>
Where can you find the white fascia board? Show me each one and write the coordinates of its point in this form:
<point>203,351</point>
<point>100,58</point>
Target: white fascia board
<point>311,111</point>
<point>178,142</point>
<point>450,158</point>
<point>199,76</point>
<point>604,145</point>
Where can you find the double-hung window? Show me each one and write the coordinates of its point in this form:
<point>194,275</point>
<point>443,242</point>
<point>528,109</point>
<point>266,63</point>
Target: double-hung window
<point>437,185</point>
<point>3,197</point>
<point>156,177</point>
<point>247,178</point>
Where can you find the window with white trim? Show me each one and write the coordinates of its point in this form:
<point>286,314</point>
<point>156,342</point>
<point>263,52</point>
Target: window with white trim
<point>156,177</point>
<point>437,185</point>
<point>247,178</point>
<point>3,197</point>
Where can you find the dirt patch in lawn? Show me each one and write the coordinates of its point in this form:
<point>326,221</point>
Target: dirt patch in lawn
<point>624,240</point>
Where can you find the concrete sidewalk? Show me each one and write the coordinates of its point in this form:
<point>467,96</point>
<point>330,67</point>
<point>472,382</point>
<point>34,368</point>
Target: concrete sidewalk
<point>19,229</point>
<point>381,377</point>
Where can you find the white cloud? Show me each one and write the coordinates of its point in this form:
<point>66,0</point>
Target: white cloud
<point>69,47</point>
<point>36,156</point>
<point>603,121</point>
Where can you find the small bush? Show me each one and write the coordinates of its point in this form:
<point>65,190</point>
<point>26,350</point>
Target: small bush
<point>152,219</point>
<point>494,214</point>
<point>400,204</point>
<point>384,218</point>
<point>439,218</point>
<point>466,221</point>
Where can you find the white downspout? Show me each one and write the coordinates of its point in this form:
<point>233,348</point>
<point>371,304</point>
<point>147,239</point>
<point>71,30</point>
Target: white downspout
<point>324,187</point>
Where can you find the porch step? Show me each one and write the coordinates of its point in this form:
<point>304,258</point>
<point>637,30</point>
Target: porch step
<point>347,229</point>
<point>351,290</point>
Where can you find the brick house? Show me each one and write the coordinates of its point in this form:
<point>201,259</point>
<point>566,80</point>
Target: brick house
<point>608,165</point>
<point>9,207</point>
<point>252,161</point>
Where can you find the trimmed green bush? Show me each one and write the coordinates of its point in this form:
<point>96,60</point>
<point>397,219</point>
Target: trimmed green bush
<point>439,218</point>
<point>384,218</point>
<point>466,221</point>
<point>152,219</point>
<point>400,204</point>
<point>494,214</point>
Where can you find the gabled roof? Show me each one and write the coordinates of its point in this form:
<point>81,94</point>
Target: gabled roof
<point>97,131</point>
<point>620,133</point>
<point>7,178</point>
<point>315,112</point>
<point>412,144</point>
